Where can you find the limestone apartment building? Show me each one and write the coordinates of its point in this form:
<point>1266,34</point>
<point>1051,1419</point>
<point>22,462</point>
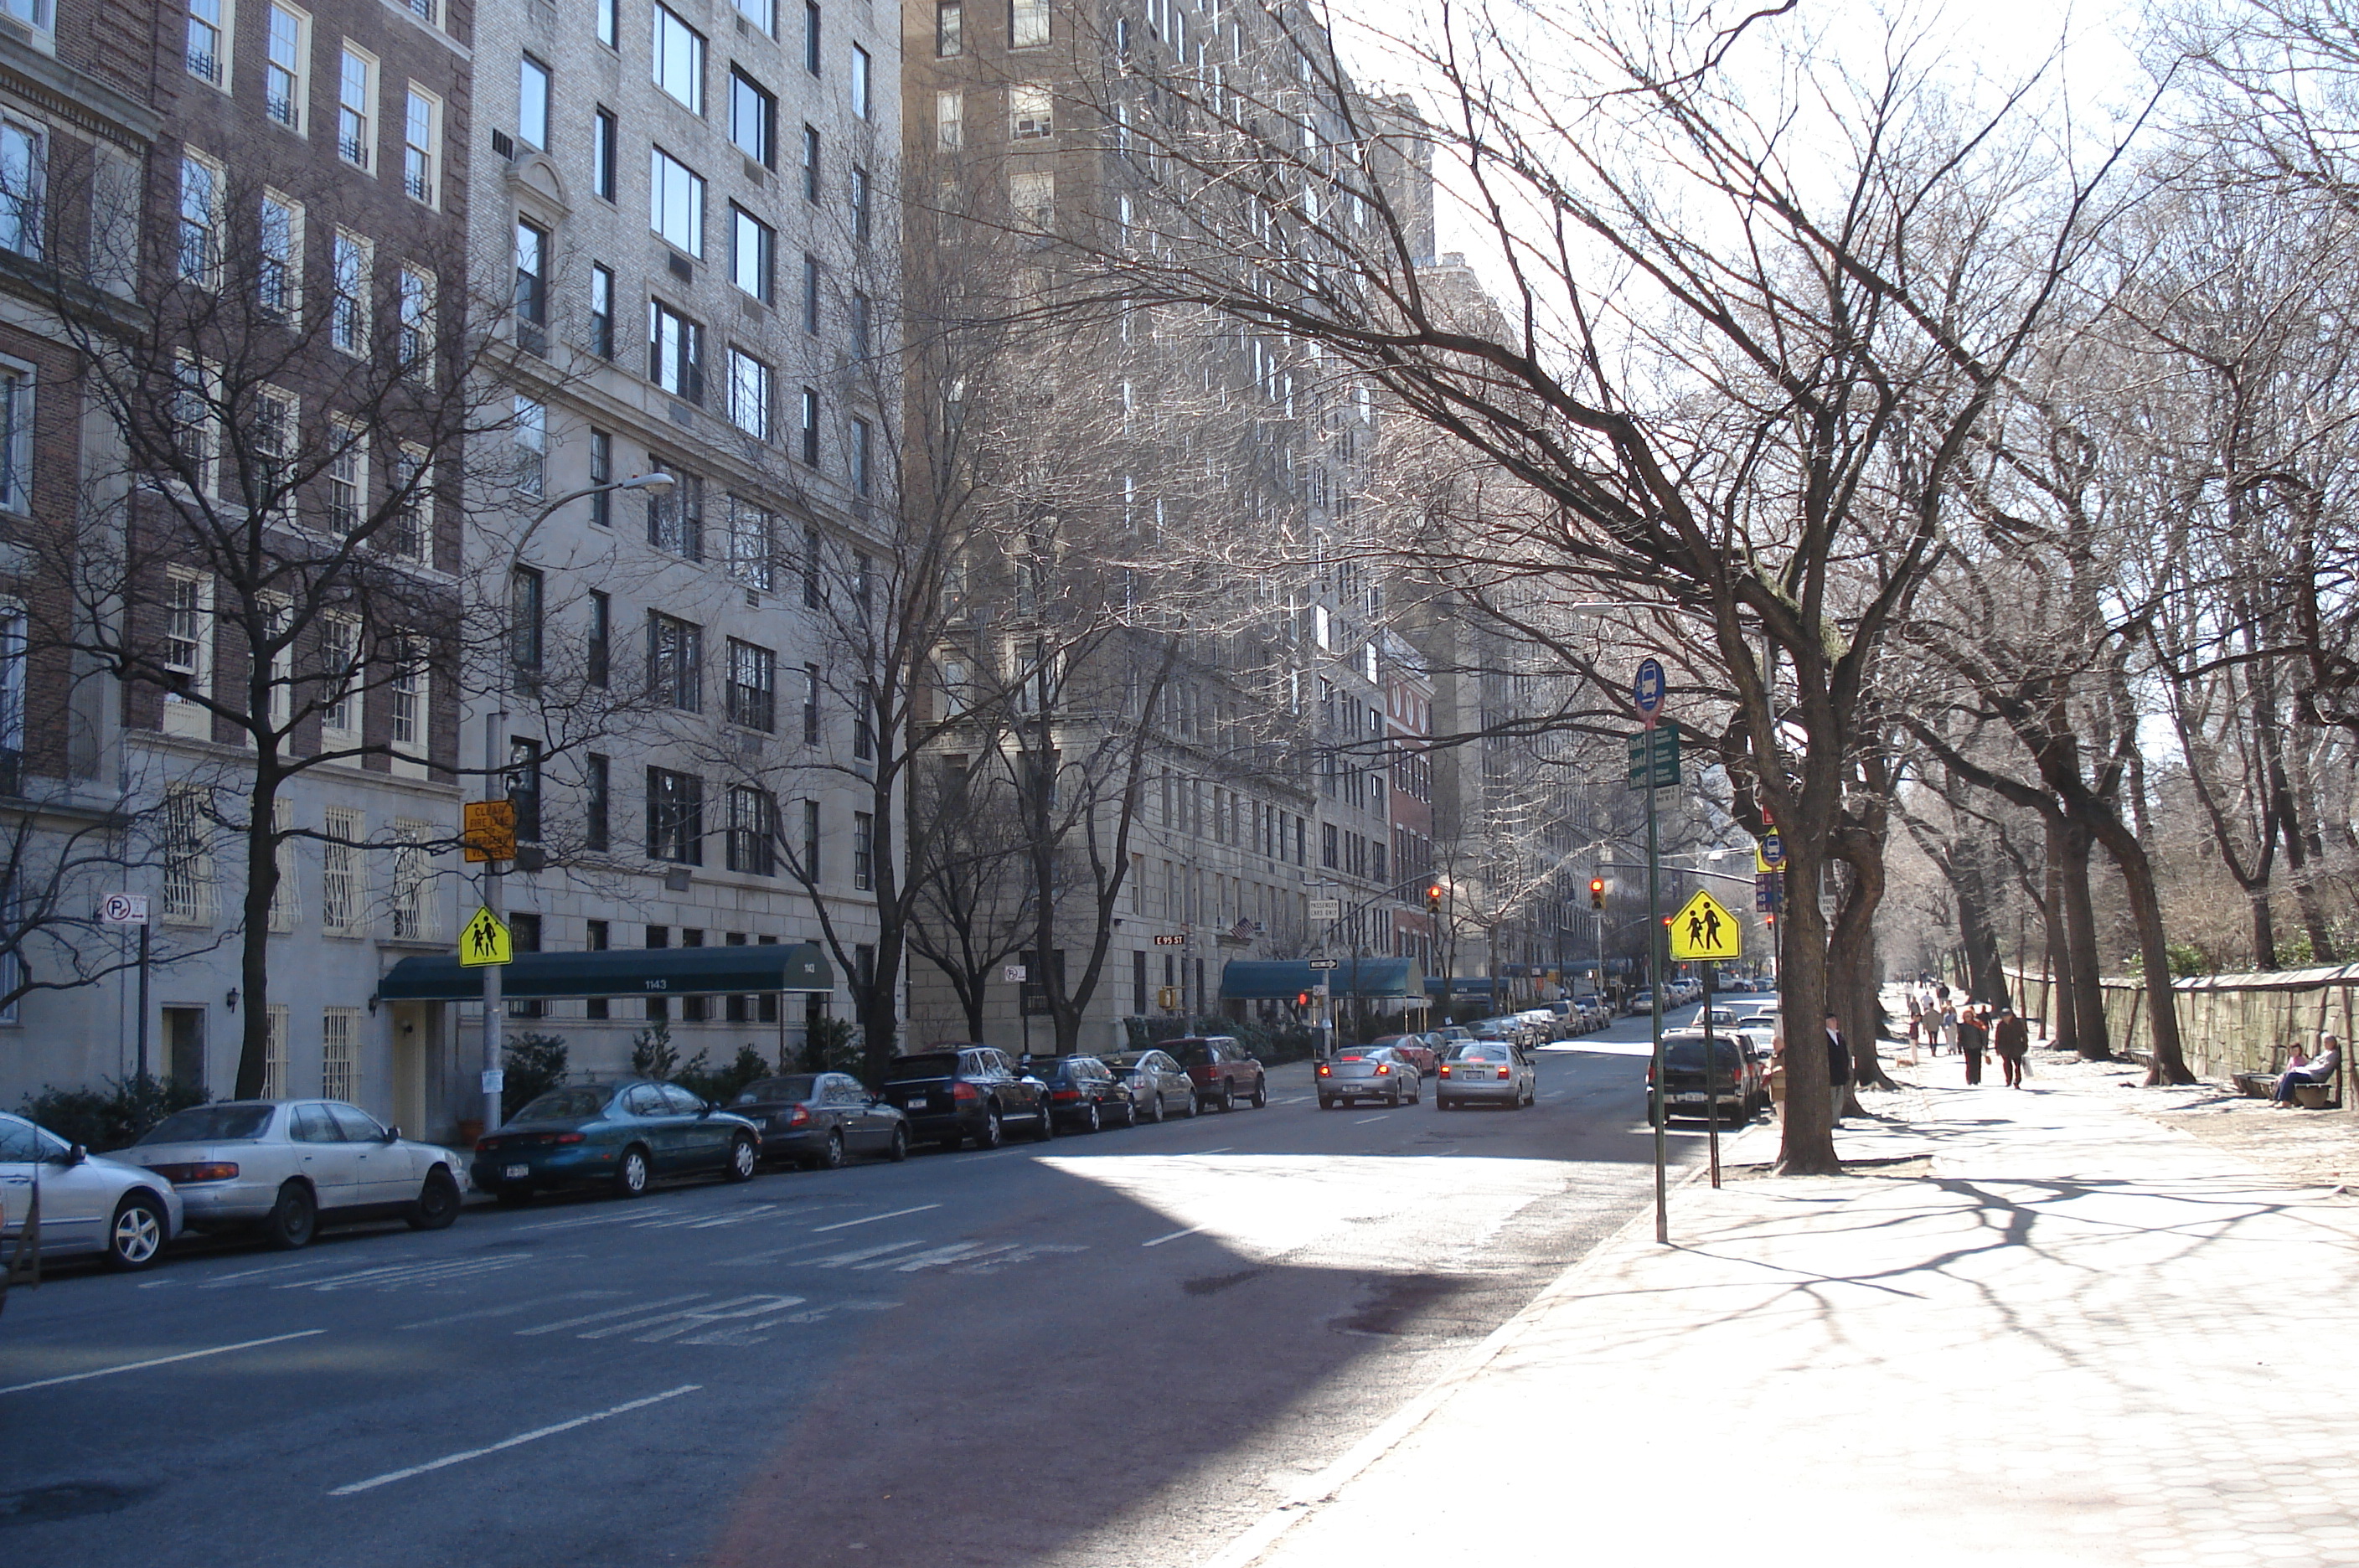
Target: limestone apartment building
<point>690,205</point>
<point>1267,785</point>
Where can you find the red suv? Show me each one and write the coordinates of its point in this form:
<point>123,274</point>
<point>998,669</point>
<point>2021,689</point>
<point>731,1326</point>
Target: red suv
<point>1222,1070</point>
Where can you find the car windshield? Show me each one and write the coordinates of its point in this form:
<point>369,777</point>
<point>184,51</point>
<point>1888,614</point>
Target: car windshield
<point>209,1124</point>
<point>1689,1054</point>
<point>941,1064</point>
<point>565,1105</point>
<point>1123,1060</point>
<point>763,1089</point>
<point>1480,1053</point>
<point>1192,1053</point>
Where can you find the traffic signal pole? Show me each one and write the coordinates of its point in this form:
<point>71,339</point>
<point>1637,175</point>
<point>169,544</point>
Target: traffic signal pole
<point>1657,1104</point>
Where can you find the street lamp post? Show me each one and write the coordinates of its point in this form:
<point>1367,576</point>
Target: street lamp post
<point>495,723</point>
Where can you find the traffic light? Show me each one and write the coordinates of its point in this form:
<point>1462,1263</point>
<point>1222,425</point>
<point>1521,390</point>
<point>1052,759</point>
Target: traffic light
<point>1433,899</point>
<point>1597,892</point>
<point>1302,998</point>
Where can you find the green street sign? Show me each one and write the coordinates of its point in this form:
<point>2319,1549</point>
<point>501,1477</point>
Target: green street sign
<point>1655,758</point>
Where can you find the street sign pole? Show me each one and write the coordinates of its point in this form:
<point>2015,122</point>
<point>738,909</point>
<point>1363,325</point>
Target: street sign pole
<point>1654,991</point>
<point>1711,1073</point>
<point>143,999</point>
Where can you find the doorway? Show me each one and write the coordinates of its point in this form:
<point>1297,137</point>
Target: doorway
<point>184,1046</point>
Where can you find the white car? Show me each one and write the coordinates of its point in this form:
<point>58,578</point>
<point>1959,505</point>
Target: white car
<point>88,1203</point>
<point>286,1166</point>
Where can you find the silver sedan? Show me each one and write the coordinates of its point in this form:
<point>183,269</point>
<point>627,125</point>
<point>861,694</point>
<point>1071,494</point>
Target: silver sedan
<point>88,1204</point>
<point>1486,1072</point>
<point>286,1166</point>
<point>1374,1073</point>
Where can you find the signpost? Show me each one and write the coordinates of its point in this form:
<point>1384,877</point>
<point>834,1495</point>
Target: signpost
<point>489,831</point>
<point>1326,964</point>
<point>1646,772</point>
<point>1704,932</point>
<point>1326,910</point>
<point>1014,974</point>
<point>485,940</point>
<point>130,910</point>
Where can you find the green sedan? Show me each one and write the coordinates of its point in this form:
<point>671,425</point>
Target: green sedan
<point>621,1134</point>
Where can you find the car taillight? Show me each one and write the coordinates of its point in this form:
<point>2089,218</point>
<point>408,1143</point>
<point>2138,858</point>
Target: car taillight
<point>1382,1068</point>
<point>799,1116</point>
<point>1325,1070</point>
<point>1065,1094</point>
<point>1503,1073</point>
<point>210,1170</point>
<point>1445,1069</point>
<point>485,1145</point>
<point>567,1138</point>
<point>965,1091</point>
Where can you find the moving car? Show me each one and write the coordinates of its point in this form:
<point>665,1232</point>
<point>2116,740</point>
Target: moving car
<point>88,1203</point>
<point>1372,1072</point>
<point>290,1166</point>
<point>1156,1084</point>
<point>820,1120</point>
<point>623,1134</point>
<point>952,1094</point>
<point>1084,1093</point>
<point>1224,1071</point>
<point>1486,1072</point>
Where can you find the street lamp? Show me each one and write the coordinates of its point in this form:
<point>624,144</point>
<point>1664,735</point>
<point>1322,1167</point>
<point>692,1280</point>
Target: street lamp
<point>495,724</point>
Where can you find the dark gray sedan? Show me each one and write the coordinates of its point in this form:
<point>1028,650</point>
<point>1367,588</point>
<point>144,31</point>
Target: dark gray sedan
<point>820,1120</point>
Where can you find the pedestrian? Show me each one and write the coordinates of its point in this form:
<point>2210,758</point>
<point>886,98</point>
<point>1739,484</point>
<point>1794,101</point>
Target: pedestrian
<point>1837,1067</point>
<point>2011,1039</point>
<point>2302,1070</point>
<point>1777,1073</point>
<point>1972,1035</point>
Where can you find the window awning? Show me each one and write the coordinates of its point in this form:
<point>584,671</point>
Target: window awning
<point>1462,984</point>
<point>621,972</point>
<point>1265,979</point>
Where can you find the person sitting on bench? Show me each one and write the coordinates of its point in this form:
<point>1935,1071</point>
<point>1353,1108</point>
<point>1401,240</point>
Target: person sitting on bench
<point>2318,1069</point>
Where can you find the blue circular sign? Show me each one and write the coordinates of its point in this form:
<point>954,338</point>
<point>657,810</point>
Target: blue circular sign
<point>1647,691</point>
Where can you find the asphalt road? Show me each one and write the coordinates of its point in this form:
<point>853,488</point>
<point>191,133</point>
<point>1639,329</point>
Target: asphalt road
<point>1119,1348</point>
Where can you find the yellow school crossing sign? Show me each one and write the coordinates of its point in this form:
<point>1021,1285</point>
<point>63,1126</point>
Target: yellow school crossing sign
<point>1703,929</point>
<point>486,940</point>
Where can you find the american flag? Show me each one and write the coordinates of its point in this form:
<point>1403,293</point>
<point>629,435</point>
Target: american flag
<point>1242,929</point>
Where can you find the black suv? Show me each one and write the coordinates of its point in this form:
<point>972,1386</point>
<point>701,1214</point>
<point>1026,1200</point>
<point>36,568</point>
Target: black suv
<point>1084,1093</point>
<point>953,1093</point>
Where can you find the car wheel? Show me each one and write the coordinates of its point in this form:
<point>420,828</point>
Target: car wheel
<point>632,1175</point>
<point>1416,1092</point>
<point>1195,1105</point>
<point>293,1220</point>
<point>1154,1107</point>
<point>1228,1098</point>
<point>1130,1113</point>
<point>989,1138</point>
<point>136,1238</point>
<point>1395,1098</point>
<point>1441,1104</point>
<point>1261,1093</point>
<point>1325,1104</point>
<point>899,1149</point>
<point>1093,1122</point>
<point>438,1202</point>
<point>744,1159</point>
<point>1046,1128</point>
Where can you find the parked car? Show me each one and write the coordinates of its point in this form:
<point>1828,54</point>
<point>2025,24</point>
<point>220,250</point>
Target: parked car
<point>1738,1088</point>
<point>1224,1071</point>
<point>820,1120</point>
<point>1641,1002</point>
<point>89,1203</point>
<point>1486,1072</point>
<point>1416,1048</point>
<point>1369,1071</point>
<point>621,1133</point>
<point>290,1166</point>
<point>1545,1024</point>
<point>1448,1036</point>
<point>1157,1085</point>
<point>953,1092</point>
<point>1084,1093</point>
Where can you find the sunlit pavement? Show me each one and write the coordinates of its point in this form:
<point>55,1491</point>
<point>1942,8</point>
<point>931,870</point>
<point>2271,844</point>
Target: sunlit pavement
<point>1125,1347</point>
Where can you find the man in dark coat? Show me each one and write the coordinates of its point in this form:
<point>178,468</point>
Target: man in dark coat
<point>2012,1040</point>
<point>1838,1066</point>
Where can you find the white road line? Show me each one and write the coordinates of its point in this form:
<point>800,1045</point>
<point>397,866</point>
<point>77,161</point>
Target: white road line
<point>871,1219</point>
<point>1225,1148</point>
<point>390,1476</point>
<point>614,1313</point>
<point>1174,1236</point>
<point>862,1255</point>
<point>509,1311</point>
<point>160,1361</point>
<point>1364,1121</point>
<point>694,1317</point>
<point>940,1254</point>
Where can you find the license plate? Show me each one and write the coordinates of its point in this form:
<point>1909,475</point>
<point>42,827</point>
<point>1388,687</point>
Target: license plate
<point>1688,1099</point>
<point>917,1102</point>
<point>517,1172</point>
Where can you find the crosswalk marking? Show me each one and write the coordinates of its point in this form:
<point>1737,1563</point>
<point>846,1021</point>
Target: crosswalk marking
<point>563,1323</point>
<point>394,1276</point>
<point>661,1326</point>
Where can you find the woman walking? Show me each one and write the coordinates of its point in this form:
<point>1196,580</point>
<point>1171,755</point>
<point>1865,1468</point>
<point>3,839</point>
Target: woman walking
<point>1972,1035</point>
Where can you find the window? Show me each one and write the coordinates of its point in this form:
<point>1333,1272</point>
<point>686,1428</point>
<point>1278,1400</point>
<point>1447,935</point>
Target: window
<point>810,868</point>
<point>278,268</point>
<point>1032,199</point>
<point>410,695</point>
<point>811,292</point>
<point>347,477</point>
<point>676,203</point>
<point>188,858</point>
<point>524,932</point>
<point>414,320</point>
<point>859,188</point>
<point>863,851</point>
<point>1031,111</point>
<point>601,472</point>
<point>597,809</point>
<point>674,352</point>
<point>675,662</point>
<point>286,66</point>
<point>355,107</point>
<point>599,655</point>
<point>751,551</point>
<point>605,132</point>
<point>1027,23</point>
<point>675,521</point>
<point>348,320</point>
<point>340,871</point>
<point>753,119</point>
<point>810,163</point>
<point>809,426</point>
<point>763,14</point>
<point>523,782</point>
<point>811,704</point>
<point>860,315</point>
<point>532,102</point>
<point>675,818</point>
<point>531,287</point>
<point>610,22</point>
<point>339,1062</point>
<point>863,735</point>
<point>680,60</point>
<point>861,441</point>
<point>1327,846</point>
<point>15,439</point>
<point>339,707</point>
<point>750,244</point>
<point>531,447</point>
<point>812,45</point>
<point>409,530</point>
<point>421,146</point>
<point>751,813</point>
<point>200,220</point>
<point>749,394</point>
<point>425,11</point>
<point>527,594</point>
<point>600,328</point>
<point>753,687</point>
<point>861,65</point>
<point>208,52</point>
<point>188,652</point>
<point>416,915</point>
<point>950,120</point>
<point>811,598</point>
<point>950,29</point>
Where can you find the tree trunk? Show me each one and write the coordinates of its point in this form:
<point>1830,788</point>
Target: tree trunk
<point>254,954</point>
<point>2154,946</point>
<point>1970,884</point>
<point>2085,996</point>
<point>2064,1027</point>
<point>1807,1141</point>
<point>1851,971</point>
<point>2265,932</point>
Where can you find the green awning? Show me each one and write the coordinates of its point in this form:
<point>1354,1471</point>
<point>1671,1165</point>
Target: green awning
<point>621,972</point>
<point>1266,979</point>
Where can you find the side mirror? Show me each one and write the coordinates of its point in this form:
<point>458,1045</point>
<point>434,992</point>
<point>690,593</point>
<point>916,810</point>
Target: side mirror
<point>74,1155</point>
<point>393,1135</point>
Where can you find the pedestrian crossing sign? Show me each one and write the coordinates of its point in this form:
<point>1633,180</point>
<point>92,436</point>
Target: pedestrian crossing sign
<point>486,940</point>
<point>1703,929</point>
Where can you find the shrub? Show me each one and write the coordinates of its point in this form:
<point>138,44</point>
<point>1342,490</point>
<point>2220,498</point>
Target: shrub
<point>653,1055</point>
<point>533,1064</point>
<point>112,1117</point>
<point>721,1084</point>
<point>832,1045</point>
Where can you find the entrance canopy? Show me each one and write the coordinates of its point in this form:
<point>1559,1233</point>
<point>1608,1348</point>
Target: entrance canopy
<point>1462,985</point>
<point>1258,979</point>
<point>622,972</point>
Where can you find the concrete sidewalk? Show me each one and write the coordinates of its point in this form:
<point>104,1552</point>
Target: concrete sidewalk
<point>2055,1333</point>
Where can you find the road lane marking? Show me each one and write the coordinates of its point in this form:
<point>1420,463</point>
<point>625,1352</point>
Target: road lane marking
<point>393,1276</point>
<point>614,1313</point>
<point>941,1255</point>
<point>860,1255</point>
<point>670,1325</point>
<point>159,1361</point>
<point>1225,1148</point>
<point>508,1310</point>
<point>390,1476</point>
<point>1174,1236</point>
<point>871,1219</point>
<point>1364,1121</point>
<point>992,1262</point>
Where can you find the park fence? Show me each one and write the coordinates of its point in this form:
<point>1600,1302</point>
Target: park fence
<point>2230,1024</point>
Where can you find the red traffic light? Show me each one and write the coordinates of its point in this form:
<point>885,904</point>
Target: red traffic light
<point>1597,892</point>
<point>1433,899</point>
<point>1302,998</point>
